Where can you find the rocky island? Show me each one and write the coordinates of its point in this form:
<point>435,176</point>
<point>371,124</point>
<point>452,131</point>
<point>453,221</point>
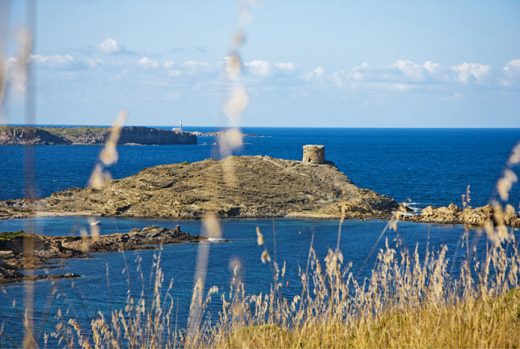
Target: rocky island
<point>12,258</point>
<point>265,187</point>
<point>24,135</point>
<point>262,187</point>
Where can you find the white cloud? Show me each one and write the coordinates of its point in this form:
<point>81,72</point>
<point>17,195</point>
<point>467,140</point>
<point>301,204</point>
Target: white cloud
<point>195,65</point>
<point>371,78</point>
<point>148,63</point>
<point>317,73</point>
<point>511,72</point>
<point>259,68</point>
<point>401,75</point>
<point>93,63</point>
<point>58,62</point>
<point>168,64</point>
<point>513,66</point>
<point>410,69</point>
<point>401,71</point>
<point>174,73</point>
<point>171,69</point>
<point>109,46</point>
<point>54,61</point>
<point>431,67</point>
<point>339,77</point>
<point>406,74</point>
<point>285,66</point>
<point>471,72</point>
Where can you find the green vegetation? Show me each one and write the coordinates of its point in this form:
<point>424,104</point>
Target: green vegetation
<point>73,132</point>
<point>4,128</point>
<point>11,235</point>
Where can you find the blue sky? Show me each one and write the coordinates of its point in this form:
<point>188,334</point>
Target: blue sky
<point>306,63</point>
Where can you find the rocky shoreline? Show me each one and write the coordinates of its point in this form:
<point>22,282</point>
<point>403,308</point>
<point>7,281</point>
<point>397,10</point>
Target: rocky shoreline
<point>472,216</point>
<point>13,260</point>
<point>24,135</point>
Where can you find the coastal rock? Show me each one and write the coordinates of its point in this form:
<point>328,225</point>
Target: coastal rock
<point>7,270</point>
<point>13,258</point>
<point>29,136</point>
<point>239,186</point>
<point>448,214</point>
<point>477,216</point>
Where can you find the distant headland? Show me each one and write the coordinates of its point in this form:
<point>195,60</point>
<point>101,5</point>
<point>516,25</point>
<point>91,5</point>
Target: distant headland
<point>85,135</point>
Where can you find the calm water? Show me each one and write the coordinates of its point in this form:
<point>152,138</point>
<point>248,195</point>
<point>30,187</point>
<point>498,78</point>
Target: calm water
<point>425,166</point>
<point>428,166</point>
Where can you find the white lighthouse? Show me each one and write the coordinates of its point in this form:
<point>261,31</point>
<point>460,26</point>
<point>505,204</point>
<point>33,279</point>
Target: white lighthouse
<point>178,129</point>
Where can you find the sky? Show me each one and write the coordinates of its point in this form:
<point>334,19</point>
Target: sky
<point>305,63</point>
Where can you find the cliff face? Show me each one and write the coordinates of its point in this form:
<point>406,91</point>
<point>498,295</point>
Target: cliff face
<point>263,187</point>
<point>154,136</point>
<point>29,135</point>
<point>91,135</point>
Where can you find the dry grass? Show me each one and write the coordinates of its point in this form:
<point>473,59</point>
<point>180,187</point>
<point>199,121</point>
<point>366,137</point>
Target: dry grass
<point>494,323</point>
<point>408,301</point>
<point>405,304</point>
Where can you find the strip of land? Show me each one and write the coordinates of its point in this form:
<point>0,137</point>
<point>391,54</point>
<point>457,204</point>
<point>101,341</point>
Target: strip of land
<point>24,135</point>
<point>44,248</point>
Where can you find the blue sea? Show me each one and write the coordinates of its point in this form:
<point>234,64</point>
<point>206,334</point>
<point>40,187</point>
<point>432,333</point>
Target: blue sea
<point>427,166</point>
<point>422,166</point>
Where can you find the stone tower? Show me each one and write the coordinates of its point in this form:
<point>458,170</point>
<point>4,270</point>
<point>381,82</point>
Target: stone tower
<point>313,154</point>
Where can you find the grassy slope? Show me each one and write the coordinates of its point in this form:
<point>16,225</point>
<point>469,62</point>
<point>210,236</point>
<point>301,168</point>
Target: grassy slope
<point>478,323</point>
<point>65,132</point>
<point>76,131</point>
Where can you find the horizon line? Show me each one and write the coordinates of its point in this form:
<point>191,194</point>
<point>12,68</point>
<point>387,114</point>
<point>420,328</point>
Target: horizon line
<point>258,126</point>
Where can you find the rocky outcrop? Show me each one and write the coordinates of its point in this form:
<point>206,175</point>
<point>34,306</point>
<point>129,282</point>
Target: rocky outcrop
<point>13,259</point>
<point>477,216</point>
<point>92,136</point>
<point>29,136</point>
<point>241,186</point>
<point>154,136</point>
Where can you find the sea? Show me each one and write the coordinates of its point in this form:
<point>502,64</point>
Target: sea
<point>419,166</point>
